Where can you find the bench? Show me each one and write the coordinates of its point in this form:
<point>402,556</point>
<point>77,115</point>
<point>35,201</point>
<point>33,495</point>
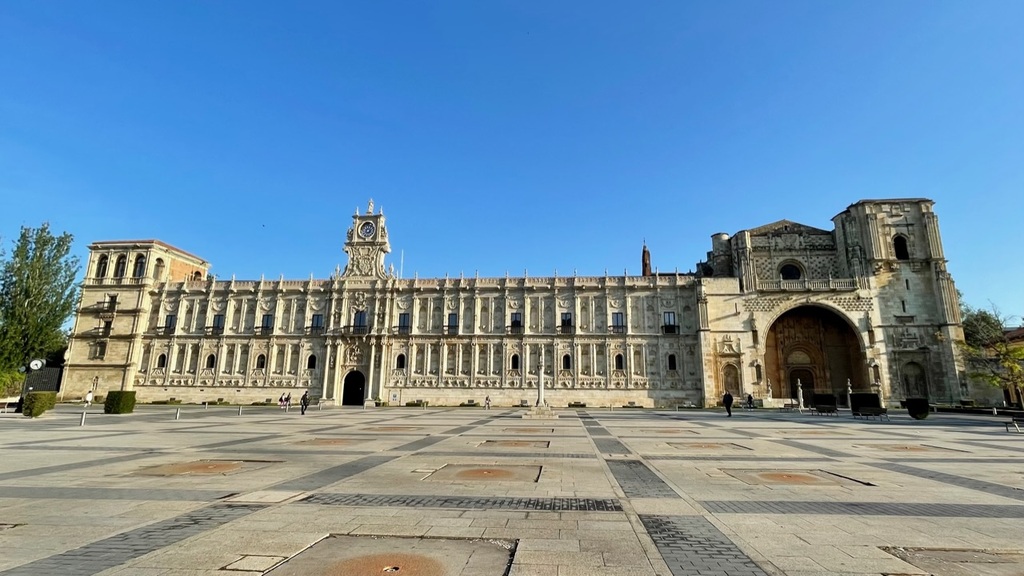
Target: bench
<point>871,412</point>
<point>1016,421</point>
<point>790,406</point>
<point>826,409</point>
<point>8,407</point>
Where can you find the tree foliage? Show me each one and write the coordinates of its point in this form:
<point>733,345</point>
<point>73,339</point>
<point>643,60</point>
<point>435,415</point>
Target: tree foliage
<point>991,355</point>
<point>37,296</point>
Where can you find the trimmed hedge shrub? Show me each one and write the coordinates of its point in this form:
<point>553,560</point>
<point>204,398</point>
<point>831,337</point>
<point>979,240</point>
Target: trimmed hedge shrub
<point>38,402</point>
<point>119,402</point>
<point>918,408</point>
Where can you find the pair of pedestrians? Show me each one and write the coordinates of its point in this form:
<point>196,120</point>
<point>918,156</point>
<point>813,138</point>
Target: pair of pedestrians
<point>286,401</point>
<point>727,400</point>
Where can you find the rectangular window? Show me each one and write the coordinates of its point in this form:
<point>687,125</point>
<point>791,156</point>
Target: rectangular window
<point>453,324</point>
<point>404,323</point>
<point>515,323</point>
<point>218,321</point>
<point>318,321</point>
<point>169,323</point>
<point>670,326</point>
<point>106,327</point>
<point>359,322</point>
<point>268,321</point>
<point>618,322</point>
<point>99,350</point>
<point>566,318</point>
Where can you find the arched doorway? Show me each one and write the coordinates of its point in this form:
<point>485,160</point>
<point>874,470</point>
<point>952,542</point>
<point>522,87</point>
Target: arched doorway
<point>354,389</point>
<point>731,380</point>
<point>819,348</point>
<point>915,384</point>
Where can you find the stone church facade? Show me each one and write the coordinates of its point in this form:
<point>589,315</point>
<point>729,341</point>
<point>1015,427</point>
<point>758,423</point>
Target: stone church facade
<point>868,305</point>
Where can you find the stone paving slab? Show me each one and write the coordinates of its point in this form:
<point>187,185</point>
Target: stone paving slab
<point>614,496</point>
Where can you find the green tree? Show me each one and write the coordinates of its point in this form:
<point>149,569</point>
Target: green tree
<point>991,356</point>
<point>37,296</point>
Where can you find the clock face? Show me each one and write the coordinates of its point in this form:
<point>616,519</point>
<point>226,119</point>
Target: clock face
<point>35,364</point>
<point>366,230</point>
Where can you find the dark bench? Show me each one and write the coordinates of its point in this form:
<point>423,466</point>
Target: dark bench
<point>577,404</point>
<point>867,405</point>
<point>1015,421</point>
<point>825,404</point>
<point>789,406</point>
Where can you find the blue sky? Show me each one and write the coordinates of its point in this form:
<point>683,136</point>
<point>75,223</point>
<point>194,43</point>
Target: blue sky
<point>503,136</point>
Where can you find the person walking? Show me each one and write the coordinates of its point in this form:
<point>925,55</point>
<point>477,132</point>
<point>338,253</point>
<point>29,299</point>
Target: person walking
<point>88,398</point>
<point>487,403</point>
<point>750,401</point>
<point>280,401</point>
<point>288,401</point>
<point>304,401</point>
<point>727,400</point>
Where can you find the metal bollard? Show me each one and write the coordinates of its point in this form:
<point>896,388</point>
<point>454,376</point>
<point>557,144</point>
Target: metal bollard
<point>177,413</point>
<point>82,422</point>
<point>287,407</point>
<point>994,411</point>
<point>320,406</point>
<point>205,405</point>
<point>239,409</point>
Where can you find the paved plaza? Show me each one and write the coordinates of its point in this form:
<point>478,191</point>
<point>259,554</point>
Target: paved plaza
<point>469,492</point>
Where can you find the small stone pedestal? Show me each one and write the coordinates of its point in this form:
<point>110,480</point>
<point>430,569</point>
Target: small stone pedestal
<point>540,413</point>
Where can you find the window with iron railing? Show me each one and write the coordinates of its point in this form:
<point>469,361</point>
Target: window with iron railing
<point>170,321</point>
<point>515,323</point>
<point>618,323</point>
<point>566,326</point>
<point>669,326</point>
<point>266,325</point>
<point>452,328</point>
<point>359,322</point>
<point>316,325</point>
<point>218,325</point>
<point>404,323</point>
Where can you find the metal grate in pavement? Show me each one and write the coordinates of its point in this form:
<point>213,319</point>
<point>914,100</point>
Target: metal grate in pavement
<point>639,481</point>
<point>692,546</point>
<point>116,550</point>
<point>865,509</point>
<point>466,502</point>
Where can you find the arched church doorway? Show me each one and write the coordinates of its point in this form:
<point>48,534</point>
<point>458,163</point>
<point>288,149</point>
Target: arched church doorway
<point>819,348</point>
<point>915,384</point>
<point>353,389</point>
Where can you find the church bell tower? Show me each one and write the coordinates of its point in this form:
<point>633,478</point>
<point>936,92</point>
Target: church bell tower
<point>366,245</point>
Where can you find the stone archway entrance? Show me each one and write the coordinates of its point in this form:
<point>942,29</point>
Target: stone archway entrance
<point>353,389</point>
<point>819,348</point>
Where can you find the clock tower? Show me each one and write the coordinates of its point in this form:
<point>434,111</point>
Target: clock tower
<point>367,244</point>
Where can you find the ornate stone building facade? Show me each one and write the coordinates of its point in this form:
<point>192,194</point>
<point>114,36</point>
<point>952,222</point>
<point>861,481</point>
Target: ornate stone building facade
<point>869,305</point>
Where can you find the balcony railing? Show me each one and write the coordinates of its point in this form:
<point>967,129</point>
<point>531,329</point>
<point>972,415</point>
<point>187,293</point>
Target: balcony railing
<point>807,285</point>
<point>357,330</point>
<point>617,329</point>
<point>165,330</point>
<point>514,329</point>
<point>264,330</point>
<point>451,330</point>
<point>215,330</point>
<point>403,330</point>
<point>566,329</point>
<point>315,330</point>
<point>670,329</point>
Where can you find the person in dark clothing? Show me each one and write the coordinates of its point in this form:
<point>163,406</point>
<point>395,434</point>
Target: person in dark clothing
<point>727,400</point>
<point>750,401</point>
<point>304,401</point>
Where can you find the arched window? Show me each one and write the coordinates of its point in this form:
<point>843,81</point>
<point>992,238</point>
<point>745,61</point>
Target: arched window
<point>900,247</point>
<point>120,267</point>
<point>158,269</point>
<point>261,362</point>
<point>101,266</point>
<point>566,362</point>
<point>515,361</point>
<point>197,276</point>
<point>140,266</point>
<point>211,361</point>
<point>161,361</point>
<point>620,363</point>
<point>400,362</point>
<point>311,362</point>
<point>790,272</point>
<point>672,362</point>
